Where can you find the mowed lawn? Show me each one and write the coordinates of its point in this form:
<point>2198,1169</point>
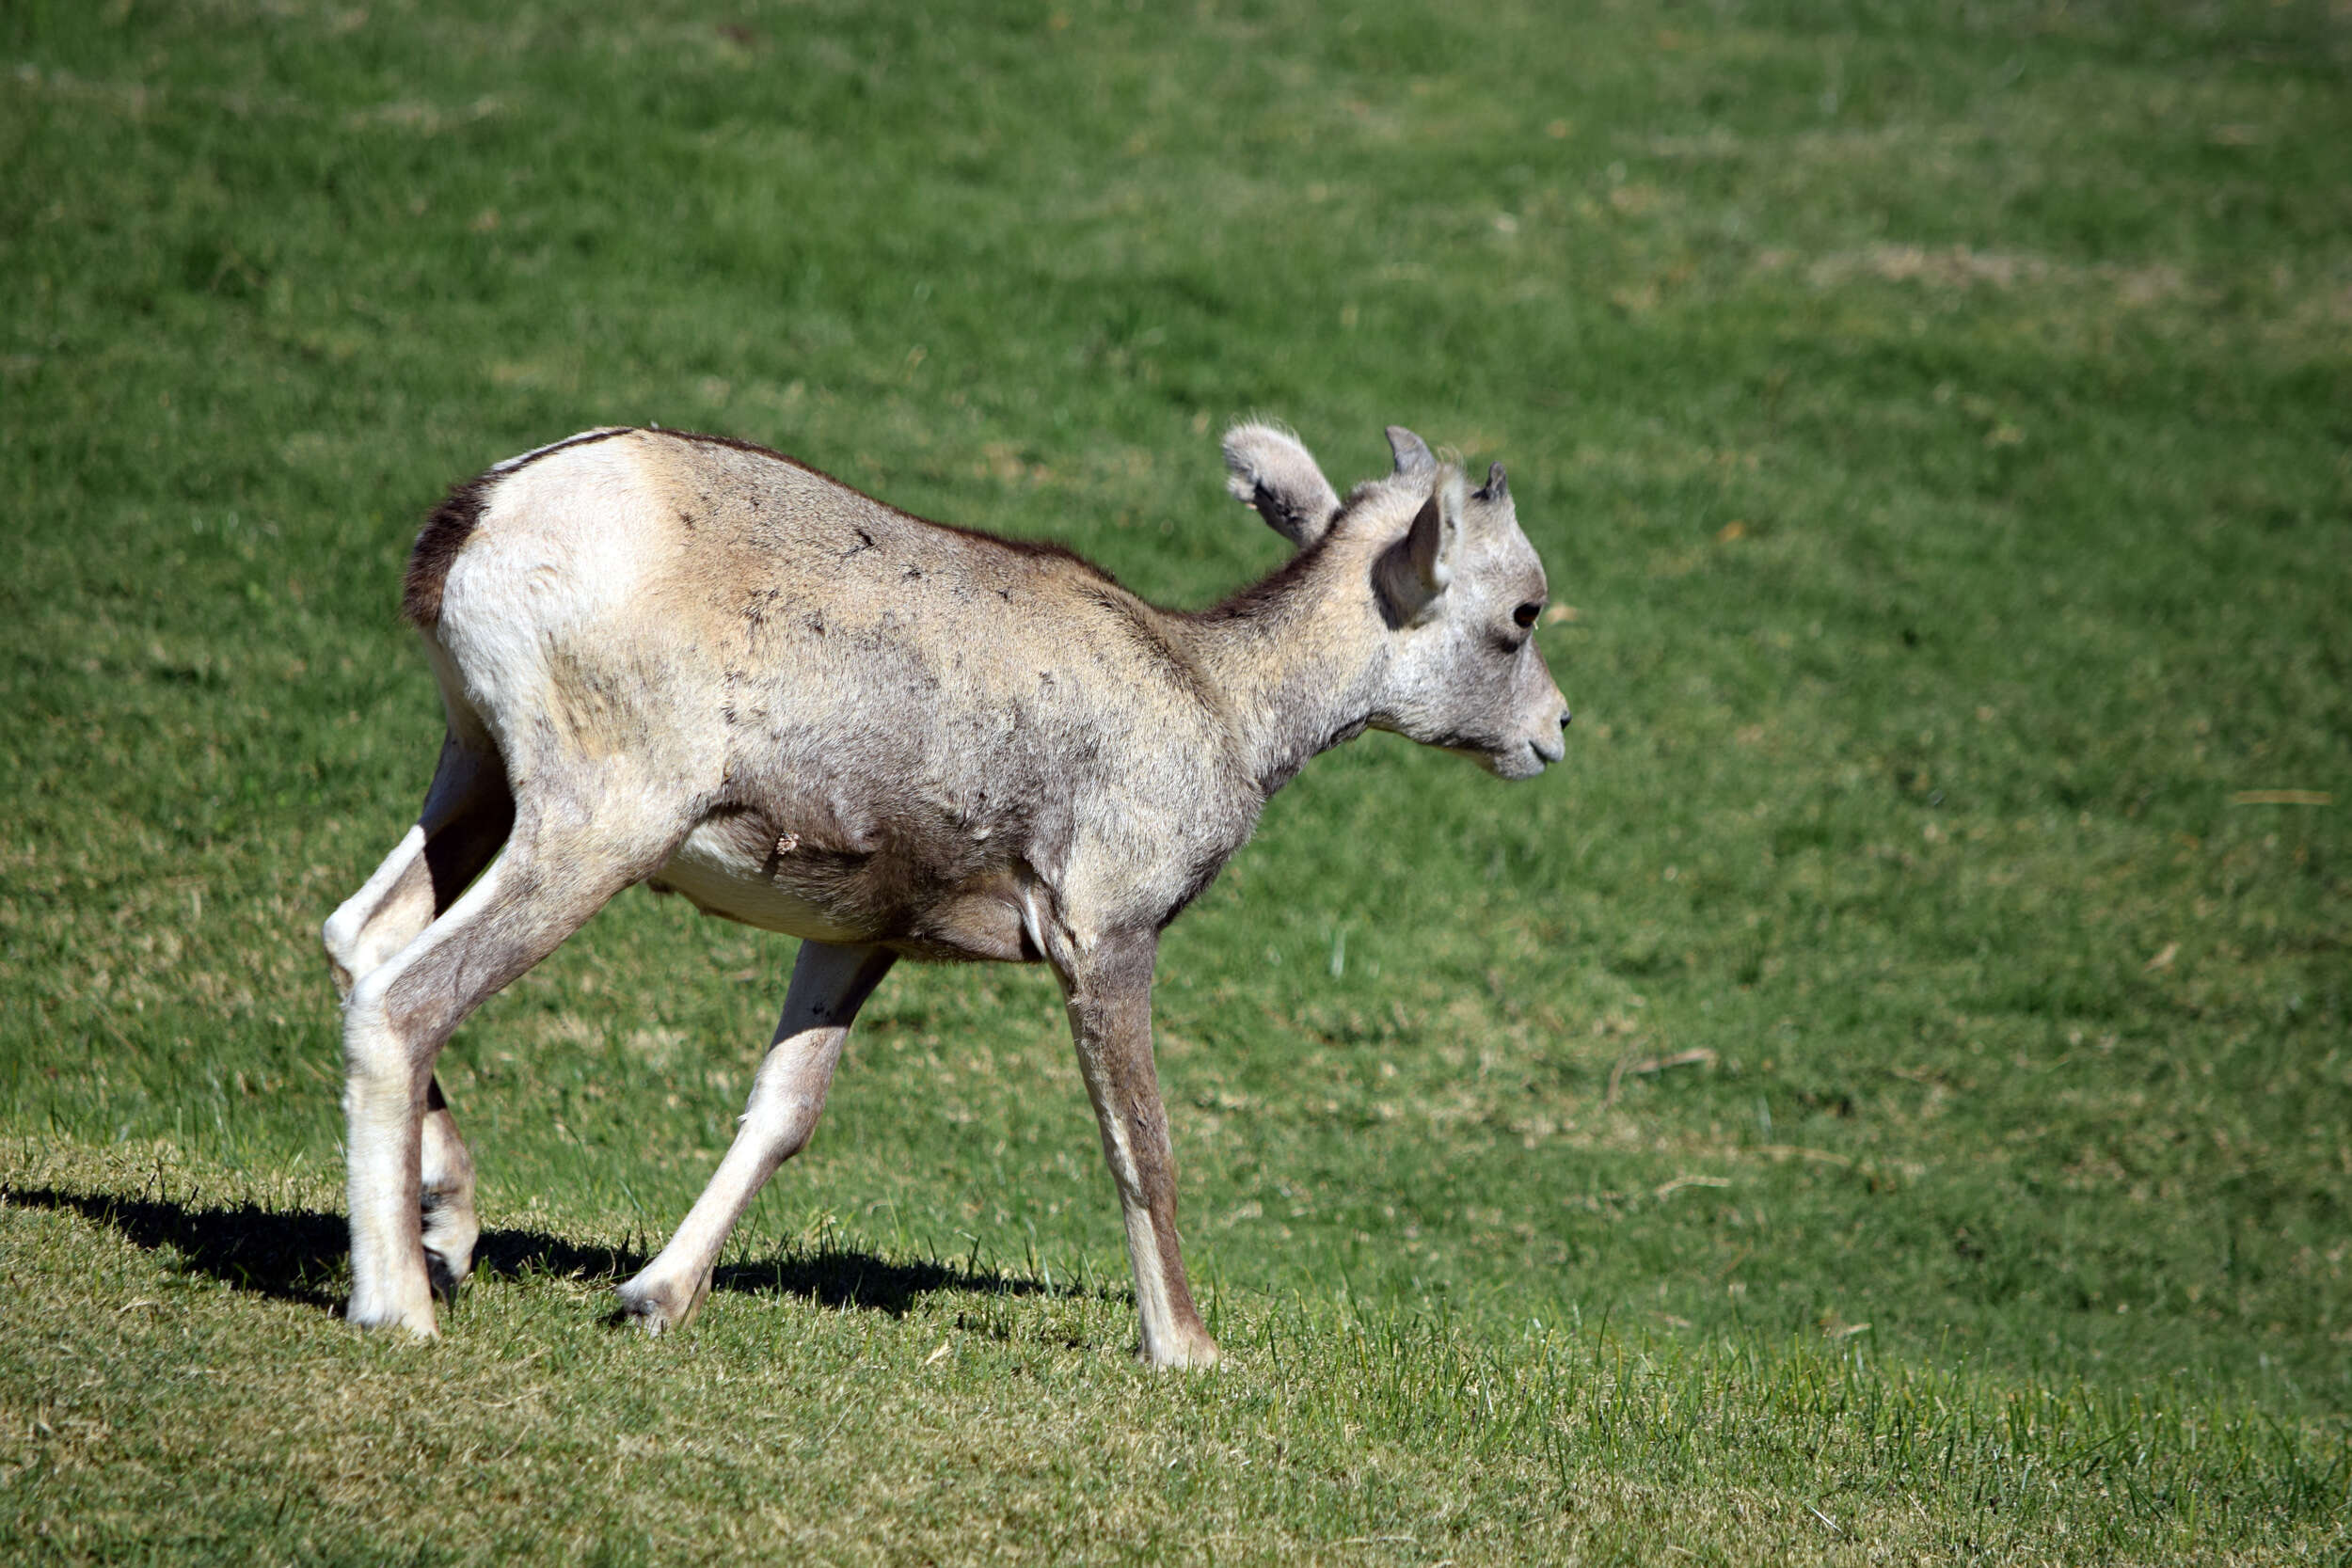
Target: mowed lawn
<point>1886,1097</point>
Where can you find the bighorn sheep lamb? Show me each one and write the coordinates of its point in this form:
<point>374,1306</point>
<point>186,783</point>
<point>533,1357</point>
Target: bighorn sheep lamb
<point>693,663</point>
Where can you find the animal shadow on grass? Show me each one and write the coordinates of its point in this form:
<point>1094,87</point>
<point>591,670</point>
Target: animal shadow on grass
<point>298,1256</point>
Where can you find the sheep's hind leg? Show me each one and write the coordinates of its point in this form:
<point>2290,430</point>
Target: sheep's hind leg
<point>829,984</point>
<point>542,887</point>
<point>468,814</point>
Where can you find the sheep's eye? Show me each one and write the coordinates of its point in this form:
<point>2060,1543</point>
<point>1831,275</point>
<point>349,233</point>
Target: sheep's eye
<point>1526,613</point>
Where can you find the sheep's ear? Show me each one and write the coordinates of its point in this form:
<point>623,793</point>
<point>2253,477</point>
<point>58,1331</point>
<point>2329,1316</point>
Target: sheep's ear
<point>1498,485</point>
<point>1411,573</point>
<point>1412,453</point>
<point>1265,466</point>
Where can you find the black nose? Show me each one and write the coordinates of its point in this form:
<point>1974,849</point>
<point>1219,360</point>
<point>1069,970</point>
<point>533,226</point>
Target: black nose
<point>1566,717</point>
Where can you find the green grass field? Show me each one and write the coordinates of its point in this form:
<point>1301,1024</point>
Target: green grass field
<point>1887,1097</point>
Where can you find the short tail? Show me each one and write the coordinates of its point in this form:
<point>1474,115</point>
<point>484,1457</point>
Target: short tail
<point>443,535</point>
<point>453,523</point>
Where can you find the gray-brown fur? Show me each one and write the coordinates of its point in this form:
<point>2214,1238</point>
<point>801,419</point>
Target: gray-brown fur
<point>688,661</point>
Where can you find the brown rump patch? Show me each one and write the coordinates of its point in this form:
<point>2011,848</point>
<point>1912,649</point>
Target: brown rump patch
<point>443,535</point>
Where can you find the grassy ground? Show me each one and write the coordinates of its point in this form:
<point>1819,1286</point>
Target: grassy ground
<point>1889,1097</point>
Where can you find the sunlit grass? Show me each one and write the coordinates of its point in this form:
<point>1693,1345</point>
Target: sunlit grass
<point>1888,1092</point>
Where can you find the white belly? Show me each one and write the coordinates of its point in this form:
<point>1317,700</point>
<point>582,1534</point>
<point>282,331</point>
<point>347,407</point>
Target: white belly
<point>715,874</point>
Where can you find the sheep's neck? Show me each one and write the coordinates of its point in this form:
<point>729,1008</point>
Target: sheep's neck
<point>1296,659</point>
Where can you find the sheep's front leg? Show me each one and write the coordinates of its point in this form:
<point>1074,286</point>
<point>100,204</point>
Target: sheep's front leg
<point>829,984</point>
<point>1108,990</point>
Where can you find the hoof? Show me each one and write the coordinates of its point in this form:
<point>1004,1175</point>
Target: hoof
<point>657,1307</point>
<point>450,1231</point>
<point>445,1276</point>
<point>377,1318</point>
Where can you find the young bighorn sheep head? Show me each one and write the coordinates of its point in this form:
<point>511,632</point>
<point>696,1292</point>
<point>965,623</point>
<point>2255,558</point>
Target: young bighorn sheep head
<point>1455,588</point>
